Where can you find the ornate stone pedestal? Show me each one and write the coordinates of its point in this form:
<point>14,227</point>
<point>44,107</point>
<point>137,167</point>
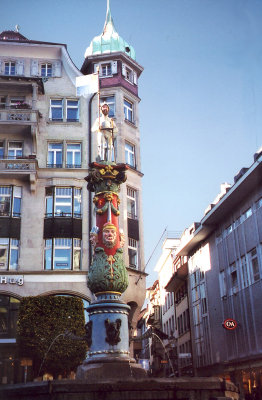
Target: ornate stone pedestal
<point>109,343</point>
<point>107,331</point>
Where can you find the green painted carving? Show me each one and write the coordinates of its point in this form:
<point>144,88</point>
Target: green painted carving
<point>102,210</point>
<point>107,273</point>
<point>106,178</point>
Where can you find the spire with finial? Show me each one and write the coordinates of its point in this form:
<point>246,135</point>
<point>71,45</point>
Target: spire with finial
<point>109,27</point>
<point>109,41</point>
<point>109,23</point>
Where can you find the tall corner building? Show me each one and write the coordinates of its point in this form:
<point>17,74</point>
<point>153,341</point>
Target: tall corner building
<point>46,145</point>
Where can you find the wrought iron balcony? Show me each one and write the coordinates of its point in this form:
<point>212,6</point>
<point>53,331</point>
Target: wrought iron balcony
<point>63,215</point>
<point>54,165</point>
<point>73,165</point>
<point>132,215</point>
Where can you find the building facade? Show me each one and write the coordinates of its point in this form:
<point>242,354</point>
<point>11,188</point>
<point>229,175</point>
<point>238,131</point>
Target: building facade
<point>178,288</point>
<point>46,145</point>
<point>164,360</point>
<point>224,256</point>
<point>215,278</point>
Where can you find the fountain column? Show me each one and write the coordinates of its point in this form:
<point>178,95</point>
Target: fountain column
<point>107,331</point>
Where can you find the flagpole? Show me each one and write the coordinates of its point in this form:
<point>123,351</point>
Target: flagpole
<point>98,93</point>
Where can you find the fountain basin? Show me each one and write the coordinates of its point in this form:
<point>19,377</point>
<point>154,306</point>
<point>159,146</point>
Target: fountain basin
<point>127,389</point>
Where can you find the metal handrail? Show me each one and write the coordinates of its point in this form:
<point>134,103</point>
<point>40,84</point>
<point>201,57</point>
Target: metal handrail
<point>63,215</point>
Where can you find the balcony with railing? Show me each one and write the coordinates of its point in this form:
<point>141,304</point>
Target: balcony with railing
<point>23,115</point>
<point>20,168</point>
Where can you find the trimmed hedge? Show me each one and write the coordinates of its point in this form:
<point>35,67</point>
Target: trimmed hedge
<point>41,319</point>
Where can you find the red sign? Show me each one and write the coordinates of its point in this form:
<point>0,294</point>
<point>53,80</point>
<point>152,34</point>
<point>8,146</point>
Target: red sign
<point>230,324</point>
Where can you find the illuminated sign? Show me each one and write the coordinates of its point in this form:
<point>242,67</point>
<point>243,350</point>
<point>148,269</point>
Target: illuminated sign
<point>230,324</point>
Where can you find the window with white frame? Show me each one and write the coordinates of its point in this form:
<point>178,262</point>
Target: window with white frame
<point>72,110</point>
<point>56,110</point>
<point>9,68</point>
<point>10,201</point>
<point>63,202</point>
<point>62,254</point>
<point>254,265</point>
<point>55,155</point>
<point>131,203</point>
<point>9,253</point>
<point>133,253</point>
<point>73,155</point>
<point>46,69</point>
<point>110,100</point>
<point>130,154</point>
<point>64,110</point>
<point>128,110</point>
<point>15,150</point>
<point>106,69</point>
<point>129,74</point>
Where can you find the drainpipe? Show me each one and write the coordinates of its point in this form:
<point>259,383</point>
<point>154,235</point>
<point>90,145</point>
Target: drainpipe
<point>89,161</point>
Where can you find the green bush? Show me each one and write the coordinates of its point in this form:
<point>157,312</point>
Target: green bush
<point>41,319</point>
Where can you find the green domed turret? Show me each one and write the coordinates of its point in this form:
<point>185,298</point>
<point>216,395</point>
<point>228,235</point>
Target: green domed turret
<point>109,41</point>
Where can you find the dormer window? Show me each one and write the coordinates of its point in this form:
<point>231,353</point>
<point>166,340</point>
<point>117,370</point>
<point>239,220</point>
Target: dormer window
<point>106,69</point>
<point>10,68</point>
<point>46,69</point>
<point>129,74</point>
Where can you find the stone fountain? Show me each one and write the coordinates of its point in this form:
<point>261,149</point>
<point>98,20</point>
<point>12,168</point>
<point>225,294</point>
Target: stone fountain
<point>109,372</point>
<point>107,330</point>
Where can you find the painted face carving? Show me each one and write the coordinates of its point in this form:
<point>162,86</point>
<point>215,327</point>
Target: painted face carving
<point>109,236</point>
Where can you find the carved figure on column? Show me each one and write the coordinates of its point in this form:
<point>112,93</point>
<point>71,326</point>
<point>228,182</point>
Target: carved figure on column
<point>107,271</point>
<point>106,130</point>
<point>113,331</point>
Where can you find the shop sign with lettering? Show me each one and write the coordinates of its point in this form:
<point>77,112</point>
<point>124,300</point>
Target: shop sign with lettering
<point>11,280</point>
<point>230,324</point>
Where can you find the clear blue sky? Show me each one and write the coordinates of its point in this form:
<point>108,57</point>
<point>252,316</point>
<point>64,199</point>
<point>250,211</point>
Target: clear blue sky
<point>201,90</point>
